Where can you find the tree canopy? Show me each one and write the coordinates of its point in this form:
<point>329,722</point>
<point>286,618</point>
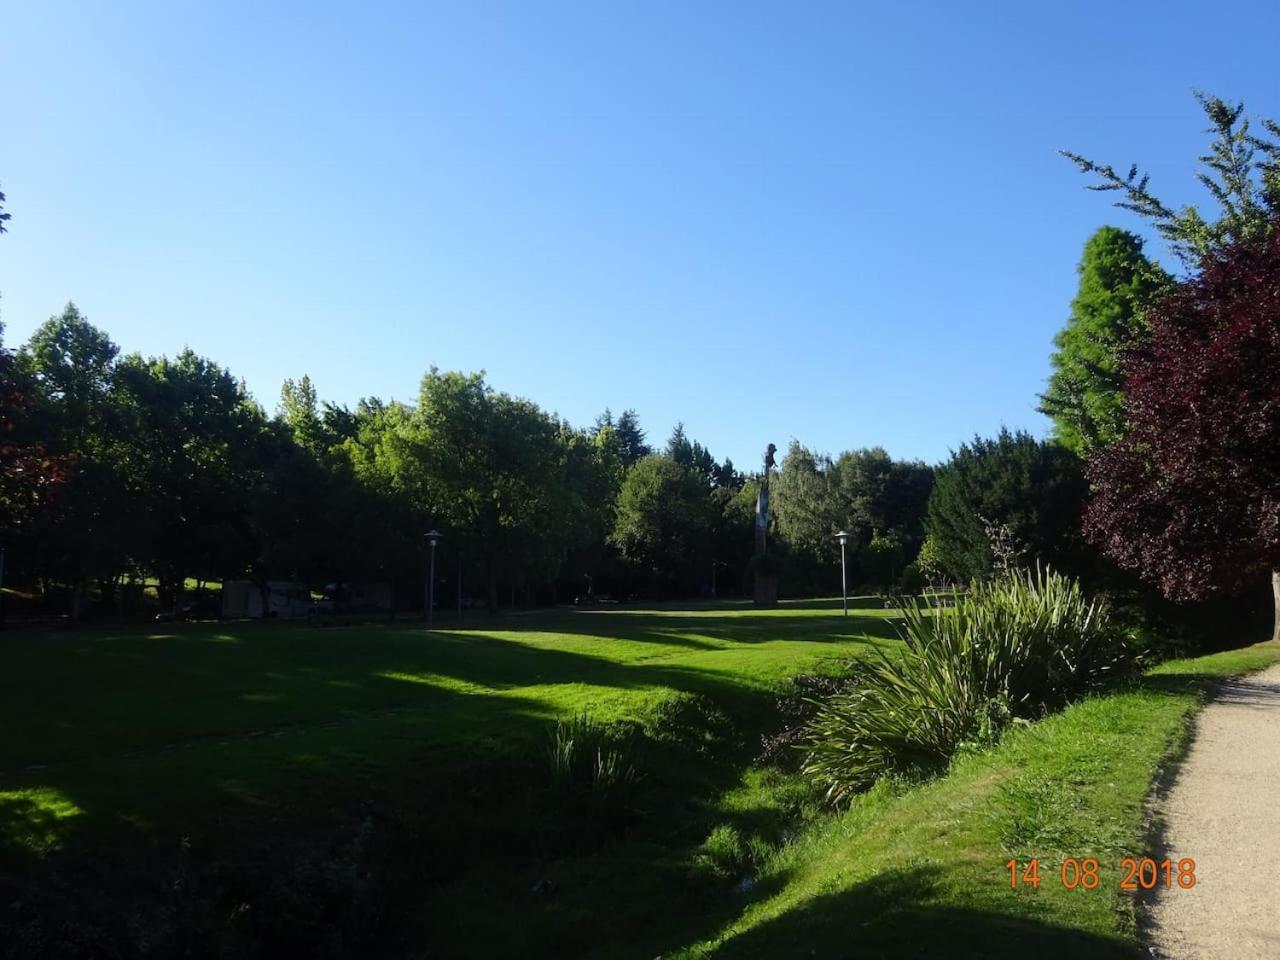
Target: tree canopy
<point>664,518</point>
<point>1188,497</point>
<point>880,501</point>
<point>1241,171</point>
<point>1011,494</point>
<point>1085,396</point>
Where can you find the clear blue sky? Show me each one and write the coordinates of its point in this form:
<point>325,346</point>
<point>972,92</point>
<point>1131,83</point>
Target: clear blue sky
<point>843,223</point>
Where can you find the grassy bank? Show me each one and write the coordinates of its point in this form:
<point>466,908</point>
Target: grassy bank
<point>921,871</point>
<point>267,790</point>
<point>264,789</point>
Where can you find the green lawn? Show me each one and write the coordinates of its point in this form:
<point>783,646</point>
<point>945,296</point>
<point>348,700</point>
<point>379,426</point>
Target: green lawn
<point>119,743</point>
<point>269,790</point>
<point>921,871</point>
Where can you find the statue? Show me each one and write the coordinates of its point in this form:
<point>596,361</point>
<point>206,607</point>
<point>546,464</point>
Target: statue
<point>765,588</point>
<point>762,503</point>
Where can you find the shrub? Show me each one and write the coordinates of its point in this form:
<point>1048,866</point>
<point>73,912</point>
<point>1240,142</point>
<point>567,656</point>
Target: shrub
<point>1010,649</point>
<point>913,580</point>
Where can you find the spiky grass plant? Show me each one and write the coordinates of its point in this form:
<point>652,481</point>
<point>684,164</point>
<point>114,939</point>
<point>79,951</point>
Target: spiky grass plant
<point>1012,648</point>
<point>582,755</point>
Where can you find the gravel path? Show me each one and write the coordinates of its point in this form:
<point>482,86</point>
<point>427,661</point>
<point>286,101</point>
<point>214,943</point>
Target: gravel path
<point>1224,811</point>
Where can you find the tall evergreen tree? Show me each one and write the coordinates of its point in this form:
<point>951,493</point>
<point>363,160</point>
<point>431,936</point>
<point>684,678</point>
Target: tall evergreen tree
<point>1085,397</point>
<point>1241,172</point>
<point>631,438</point>
<point>1012,492</point>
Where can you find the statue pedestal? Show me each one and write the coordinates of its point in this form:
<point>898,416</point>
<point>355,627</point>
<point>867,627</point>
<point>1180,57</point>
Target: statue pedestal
<point>766,590</point>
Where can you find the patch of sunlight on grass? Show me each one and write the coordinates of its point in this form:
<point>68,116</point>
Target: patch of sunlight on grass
<point>36,818</point>
<point>162,636</point>
<point>781,611</point>
<point>222,638</point>
<point>438,680</point>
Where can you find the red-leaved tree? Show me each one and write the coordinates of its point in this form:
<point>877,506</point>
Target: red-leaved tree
<point>1190,496</point>
<point>28,474</point>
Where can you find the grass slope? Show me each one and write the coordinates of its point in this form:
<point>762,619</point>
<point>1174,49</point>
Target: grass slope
<point>296,771</point>
<point>920,872</point>
<point>269,790</point>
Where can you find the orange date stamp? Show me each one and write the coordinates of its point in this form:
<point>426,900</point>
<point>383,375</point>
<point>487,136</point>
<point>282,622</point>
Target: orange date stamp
<point>1085,873</point>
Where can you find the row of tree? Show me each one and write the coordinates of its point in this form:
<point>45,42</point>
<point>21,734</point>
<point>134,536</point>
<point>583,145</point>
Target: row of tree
<point>1162,464</point>
<point>166,471</point>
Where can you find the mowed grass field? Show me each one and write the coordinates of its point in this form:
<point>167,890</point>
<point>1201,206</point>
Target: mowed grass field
<point>271,790</point>
<point>148,747</point>
<point>207,713</point>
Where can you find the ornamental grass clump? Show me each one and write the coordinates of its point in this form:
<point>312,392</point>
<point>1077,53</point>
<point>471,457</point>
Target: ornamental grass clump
<point>1011,649</point>
<point>584,757</point>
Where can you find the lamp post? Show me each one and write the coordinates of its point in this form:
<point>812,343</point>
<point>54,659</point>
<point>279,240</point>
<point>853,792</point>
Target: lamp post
<point>843,537</point>
<point>433,537</point>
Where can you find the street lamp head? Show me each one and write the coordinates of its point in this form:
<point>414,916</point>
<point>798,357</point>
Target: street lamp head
<point>434,537</point>
<point>843,537</point>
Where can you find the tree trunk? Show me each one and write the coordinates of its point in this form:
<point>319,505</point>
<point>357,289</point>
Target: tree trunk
<point>77,599</point>
<point>1275,593</point>
<point>491,589</point>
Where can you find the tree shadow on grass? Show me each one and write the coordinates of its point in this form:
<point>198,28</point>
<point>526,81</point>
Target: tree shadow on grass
<point>275,735</point>
<point>902,914</point>
<point>1240,691</point>
<point>742,628</point>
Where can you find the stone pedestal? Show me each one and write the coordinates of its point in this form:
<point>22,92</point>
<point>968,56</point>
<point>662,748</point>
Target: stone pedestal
<point>766,590</point>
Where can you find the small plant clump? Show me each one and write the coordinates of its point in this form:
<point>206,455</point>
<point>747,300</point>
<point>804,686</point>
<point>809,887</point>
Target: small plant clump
<point>585,759</point>
<point>1010,650</point>
<point>728,854</point>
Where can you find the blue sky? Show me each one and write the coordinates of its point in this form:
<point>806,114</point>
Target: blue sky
<point>844,223</point>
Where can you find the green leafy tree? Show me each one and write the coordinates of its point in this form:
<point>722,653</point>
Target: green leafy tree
<point>664,523</point>
<point>70,365</point>
<point>292,515</point>
<point>808,504</point>
<point>862,491</point>
<point>880,493</point>
<point>884,558</point>
<point>494,469</point>
<point>1241,172</point>
<point>733,515</point>
<point>299,410</point>
<point>1012,493</point>
<point>191,444</point>
<point>929,560</point>
<point>4,217</point>
<point>1085,397</point>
